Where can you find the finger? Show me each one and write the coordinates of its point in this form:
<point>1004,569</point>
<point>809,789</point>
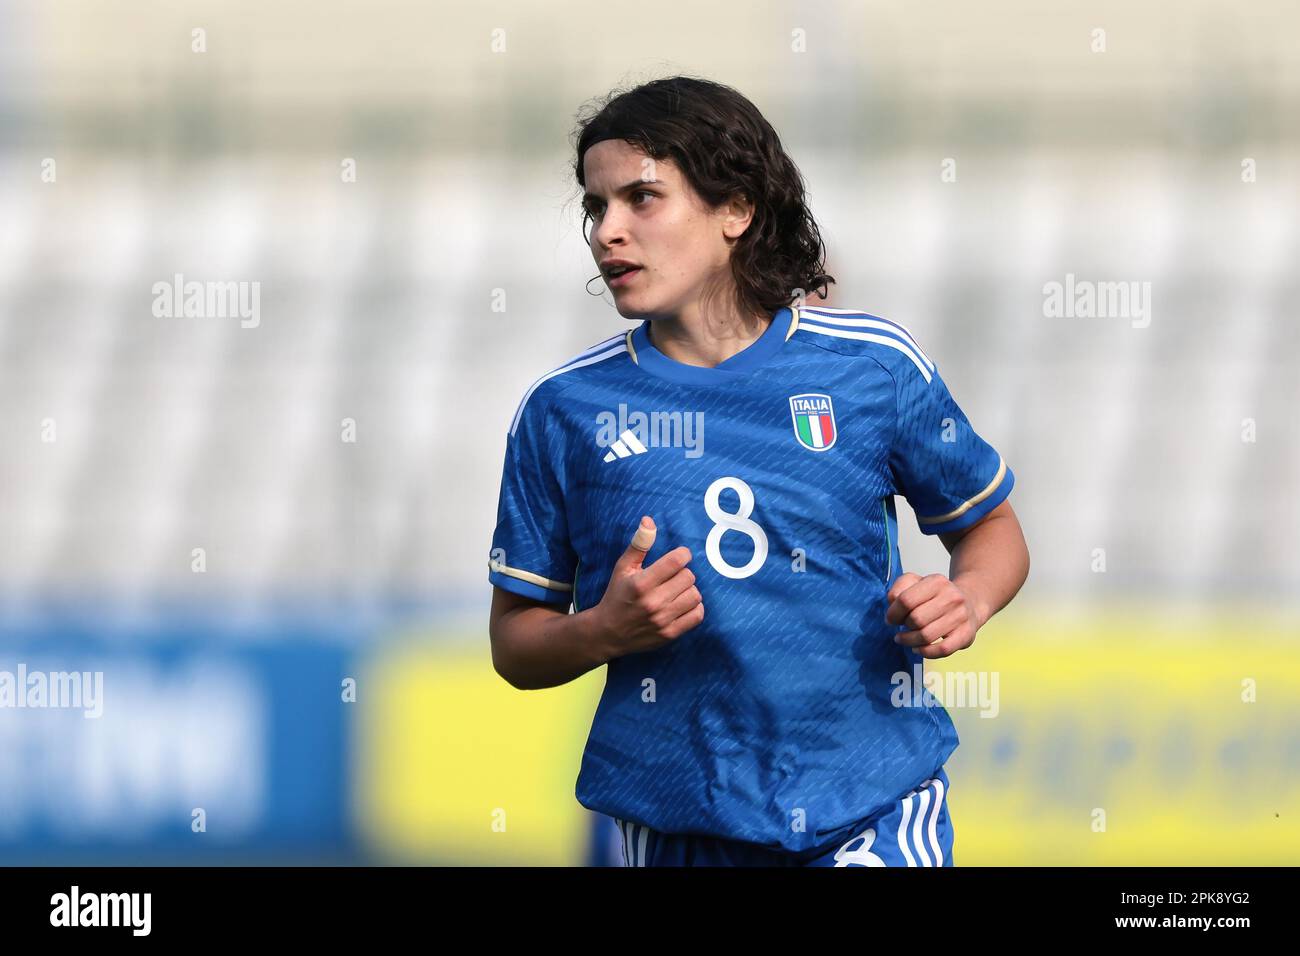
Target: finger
<point>690,619</point>
<point>936,630</point>
<point>684,602</point>
<point>944,602</point>
<point>667,592</point>
<point>667,566</point>
<point>949,645</point>
<point>900,585</point>
<point>642,541</point>
<point>913,597</point>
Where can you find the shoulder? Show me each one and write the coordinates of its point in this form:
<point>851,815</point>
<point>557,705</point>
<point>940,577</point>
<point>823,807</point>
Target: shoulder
<point>851,332</point>
<point>544,392</point>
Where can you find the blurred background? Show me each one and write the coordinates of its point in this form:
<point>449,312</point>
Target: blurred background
<point>266,526</point>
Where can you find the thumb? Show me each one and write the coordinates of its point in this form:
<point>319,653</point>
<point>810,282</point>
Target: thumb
<point>642,542</point>
<point>904,582</point>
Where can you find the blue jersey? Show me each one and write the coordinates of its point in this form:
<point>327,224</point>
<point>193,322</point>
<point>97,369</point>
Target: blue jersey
<point>774,721</point>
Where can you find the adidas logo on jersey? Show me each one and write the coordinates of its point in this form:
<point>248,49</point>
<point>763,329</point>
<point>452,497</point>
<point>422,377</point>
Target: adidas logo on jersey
<point>653,429</point>
<point>625,446</point>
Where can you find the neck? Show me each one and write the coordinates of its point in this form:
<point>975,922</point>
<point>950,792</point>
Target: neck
<point>706,338</point>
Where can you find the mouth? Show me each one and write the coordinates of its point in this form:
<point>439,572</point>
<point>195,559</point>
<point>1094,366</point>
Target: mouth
<point>619,276</point>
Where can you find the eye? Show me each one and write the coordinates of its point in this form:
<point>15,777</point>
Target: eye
<point>595,208</point>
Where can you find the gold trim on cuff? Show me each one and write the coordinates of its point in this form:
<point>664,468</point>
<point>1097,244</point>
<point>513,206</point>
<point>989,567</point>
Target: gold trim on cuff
<point>970,502</point>
<point>529,577</point>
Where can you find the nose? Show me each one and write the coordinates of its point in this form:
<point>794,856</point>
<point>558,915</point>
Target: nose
<point>609,230</point>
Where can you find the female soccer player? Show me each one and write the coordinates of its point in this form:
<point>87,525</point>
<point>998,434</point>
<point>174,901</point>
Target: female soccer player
<point>761,441</point>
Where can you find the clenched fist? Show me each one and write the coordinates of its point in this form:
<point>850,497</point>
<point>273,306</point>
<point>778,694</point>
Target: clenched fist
<point>941,616</point>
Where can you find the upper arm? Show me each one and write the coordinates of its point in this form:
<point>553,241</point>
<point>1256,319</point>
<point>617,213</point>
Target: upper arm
<point>507,602</point>
<point>950,538</point>
<point>504,605</point>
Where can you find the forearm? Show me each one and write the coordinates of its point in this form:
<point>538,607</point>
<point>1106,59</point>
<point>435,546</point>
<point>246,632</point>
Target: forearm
<point>539,647</point>
<point>990,563</point>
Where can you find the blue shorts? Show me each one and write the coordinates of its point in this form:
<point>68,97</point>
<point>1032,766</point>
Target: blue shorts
<point>914,831</point>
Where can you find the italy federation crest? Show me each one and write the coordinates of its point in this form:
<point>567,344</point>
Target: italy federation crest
<point>814,420</point>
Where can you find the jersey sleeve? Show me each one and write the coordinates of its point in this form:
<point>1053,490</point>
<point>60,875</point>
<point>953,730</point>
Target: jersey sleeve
<point>531,554</point>
<point>949,474</point>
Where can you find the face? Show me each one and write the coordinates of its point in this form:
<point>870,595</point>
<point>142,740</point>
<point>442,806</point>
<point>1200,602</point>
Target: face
<point>644,211</point>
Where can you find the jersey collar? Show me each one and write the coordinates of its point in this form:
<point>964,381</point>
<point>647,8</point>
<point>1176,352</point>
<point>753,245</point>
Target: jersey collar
<point>753,356</point>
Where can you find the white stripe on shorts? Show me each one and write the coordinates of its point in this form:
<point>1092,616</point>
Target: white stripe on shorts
<point>923,825</point>
<point>934,822</point>
<point>902,830</point>
<point>916,827</point>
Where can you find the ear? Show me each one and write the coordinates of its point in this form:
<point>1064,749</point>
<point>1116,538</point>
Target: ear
<point>737,213</point>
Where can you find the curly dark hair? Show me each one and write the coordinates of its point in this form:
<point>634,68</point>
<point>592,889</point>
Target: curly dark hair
<point>723,146</point>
